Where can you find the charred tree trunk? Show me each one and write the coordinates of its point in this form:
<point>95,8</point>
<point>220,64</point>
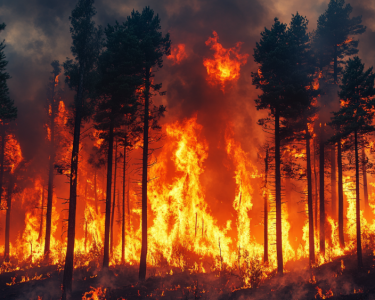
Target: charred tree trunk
<point>341,195</point>
<point>47,244</point>
<point>123,208</point>
<point>364,175</point>
<point>266,209</point>
<point>333,182</point>
<point>68,269</point>
<point>41,216</point>
<point>114,200</point>
<point>95,193</point>
<point>7,220</point>
<point>128,195</point>
<point>3,138</point>
<point>321,194</point>
<point>358,211</point>
<point>108,198</point>
<point>335,64</point>
<point>279,245</point>
<point>310,200</point>
<point>316,188</point>
<point>142,265</point>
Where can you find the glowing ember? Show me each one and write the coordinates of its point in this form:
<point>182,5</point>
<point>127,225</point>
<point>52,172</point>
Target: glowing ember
<point>226,64</point>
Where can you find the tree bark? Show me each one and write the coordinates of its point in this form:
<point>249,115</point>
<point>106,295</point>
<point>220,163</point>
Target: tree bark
<point>41,216</point>
<point>47,244</point>
<point>279,245</point>
<point>123,207</point>
<point>68,268</point>
<point>358,211</point>
<point>321,194</point>
<point>341,195</point>
<point>143,262</point>
<point>333,183</point>
<point>364,175</point>
<point>7,220</point>
<point>114,200</point>
<point>316,188</point>
<point>3,142</point>
<point>108,198</point>
<point>265,259</point>
<point>310,200</point>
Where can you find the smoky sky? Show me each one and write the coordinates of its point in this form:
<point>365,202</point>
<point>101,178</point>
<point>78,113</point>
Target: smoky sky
<point>37,32</point>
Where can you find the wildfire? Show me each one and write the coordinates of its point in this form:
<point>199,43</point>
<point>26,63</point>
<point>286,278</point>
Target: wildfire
<point>178,54</point>
<point>226,64</point>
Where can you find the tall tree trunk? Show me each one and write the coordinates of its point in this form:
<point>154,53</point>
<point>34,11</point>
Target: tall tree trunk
<point>3,142</point>
<point>128,195</point>
<point>316,188</point>
<point>341,195</point>
<point>95,193</point>
<point>114,200</point>
<point>335,64</point>
<point>47,244</point>
<point>41,216</point>
<point>108,198</point>
<point>266,209</point>
<point>279,244</point>
<point>7,220</point>
<point>321,194</point>
<point>142,264</point>
<point>123,207</point>
<point>68,268</point>
<point>358,211</point>
<point>310,200</point>
<point>364,175</point>
<point>333,183</point>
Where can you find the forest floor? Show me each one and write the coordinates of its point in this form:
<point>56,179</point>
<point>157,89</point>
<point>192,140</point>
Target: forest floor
<point>330,280</point>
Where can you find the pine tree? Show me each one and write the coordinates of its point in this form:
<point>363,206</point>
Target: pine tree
<point>85,48</point>
<point>355,117</point>
<point>8,112</point>
<point>283,94</point>
<point>333,42</point>
<point>152,46</point>
<point>53,107</point>
<point>119,78</point>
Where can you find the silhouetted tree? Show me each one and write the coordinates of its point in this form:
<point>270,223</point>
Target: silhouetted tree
<point>152,46</point>
<point>119,77</point>
<point>53,108</point>
<point>334,41</point>
<point>8,111</point>
<point>85,48</point>
<point>356,117</point>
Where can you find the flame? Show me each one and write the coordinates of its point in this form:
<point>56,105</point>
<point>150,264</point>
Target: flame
<point>178,54</point>
<point>226,64</point>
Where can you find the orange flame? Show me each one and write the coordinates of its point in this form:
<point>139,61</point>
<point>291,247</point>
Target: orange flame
<point>226,64</point>
<point>178,54</point>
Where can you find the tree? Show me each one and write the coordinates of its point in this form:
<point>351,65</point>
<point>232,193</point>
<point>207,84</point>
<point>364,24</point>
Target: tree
<point>333,41</point>
<point>119,78</point>
<point>8,112</point>
<point>152,46</point>
<point>278,78</point>
<point>85,48</point>
<point>53,107</point>
<point>303,70</point>
<point>355,117</point>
